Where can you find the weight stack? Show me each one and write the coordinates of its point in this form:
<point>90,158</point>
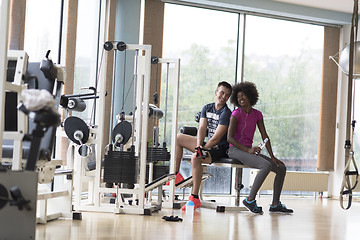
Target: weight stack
<point>120,167</point>
<point>158,171</point>
<point>155,154</point>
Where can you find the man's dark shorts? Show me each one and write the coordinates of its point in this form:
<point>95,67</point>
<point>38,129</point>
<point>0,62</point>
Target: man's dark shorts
<point>218,152</point>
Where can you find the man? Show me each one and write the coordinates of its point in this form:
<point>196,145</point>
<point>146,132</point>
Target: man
<point>214,121</point>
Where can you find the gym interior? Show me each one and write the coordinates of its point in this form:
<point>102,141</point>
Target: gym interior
<point>95,92</point>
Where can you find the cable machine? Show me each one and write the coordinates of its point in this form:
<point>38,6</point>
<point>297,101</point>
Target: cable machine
<point>126,155</point>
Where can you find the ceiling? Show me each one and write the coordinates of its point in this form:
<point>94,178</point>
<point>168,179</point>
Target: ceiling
<point>335,5</point>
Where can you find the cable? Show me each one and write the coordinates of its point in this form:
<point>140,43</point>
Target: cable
<point>92,117</point>
<point>124,75</point>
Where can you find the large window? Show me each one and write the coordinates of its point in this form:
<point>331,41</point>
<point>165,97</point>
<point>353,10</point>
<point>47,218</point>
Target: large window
<point>356,116</point>
<point>206,43</point>
<point>42,29</point>
<point>284,60</point>
<point>86,52</point>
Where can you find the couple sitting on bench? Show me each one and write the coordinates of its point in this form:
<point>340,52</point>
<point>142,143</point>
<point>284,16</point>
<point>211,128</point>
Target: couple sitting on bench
<point>236,128</point>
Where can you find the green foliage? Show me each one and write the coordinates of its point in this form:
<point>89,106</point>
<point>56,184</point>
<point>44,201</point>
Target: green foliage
<point>290,101</point>
<point>289,89</point>
<point>200,72</point>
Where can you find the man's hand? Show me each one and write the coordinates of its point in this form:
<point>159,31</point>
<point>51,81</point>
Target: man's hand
<point>201,152</point>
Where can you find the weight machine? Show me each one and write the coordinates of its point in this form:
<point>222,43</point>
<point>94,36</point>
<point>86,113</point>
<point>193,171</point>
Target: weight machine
<point>124,164</point>
<point>18,186</point>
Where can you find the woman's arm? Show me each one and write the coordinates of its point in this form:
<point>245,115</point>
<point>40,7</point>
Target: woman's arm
<point>264,135</point>
<point>234,142</point>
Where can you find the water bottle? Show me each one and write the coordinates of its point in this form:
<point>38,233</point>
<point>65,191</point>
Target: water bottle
<point>190,206</point>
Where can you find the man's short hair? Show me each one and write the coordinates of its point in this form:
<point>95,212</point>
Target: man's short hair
<point>225,84</point>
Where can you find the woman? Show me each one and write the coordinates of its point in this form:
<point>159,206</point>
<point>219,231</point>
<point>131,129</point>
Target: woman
<point>243,122</point>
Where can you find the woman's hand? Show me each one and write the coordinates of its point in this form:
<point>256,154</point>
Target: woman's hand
<point>254,150</point>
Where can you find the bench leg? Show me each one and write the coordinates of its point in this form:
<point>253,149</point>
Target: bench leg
<point>238,185</point>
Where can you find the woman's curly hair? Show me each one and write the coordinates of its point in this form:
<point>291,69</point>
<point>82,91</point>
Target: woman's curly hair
<point>249,90</point>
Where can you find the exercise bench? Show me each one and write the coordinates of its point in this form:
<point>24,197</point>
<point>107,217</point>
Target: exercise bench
<point>223,162</point>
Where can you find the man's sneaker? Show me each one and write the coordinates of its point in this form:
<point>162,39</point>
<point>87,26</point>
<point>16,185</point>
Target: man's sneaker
<point>252,206</point>
<point>196,202</point>
<point>280,208</point>
<point>178,178</point>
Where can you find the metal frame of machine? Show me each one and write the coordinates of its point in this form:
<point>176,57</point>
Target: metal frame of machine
<point>96,191</point>
<point>95,200</point>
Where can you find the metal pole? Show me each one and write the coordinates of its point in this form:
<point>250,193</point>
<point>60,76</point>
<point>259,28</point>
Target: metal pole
<point>166,102</point>
<point>134,99</point>
<point>350,83</point>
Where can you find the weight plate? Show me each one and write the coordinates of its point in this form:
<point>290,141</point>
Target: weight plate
<point>124,128</point>
<point>73,124</point>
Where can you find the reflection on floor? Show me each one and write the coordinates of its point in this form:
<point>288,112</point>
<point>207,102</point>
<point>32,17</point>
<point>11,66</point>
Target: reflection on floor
<point>314,218</point>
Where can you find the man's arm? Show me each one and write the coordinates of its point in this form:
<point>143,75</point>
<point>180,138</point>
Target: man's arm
<point>219,133</point>
<point>200,137</point>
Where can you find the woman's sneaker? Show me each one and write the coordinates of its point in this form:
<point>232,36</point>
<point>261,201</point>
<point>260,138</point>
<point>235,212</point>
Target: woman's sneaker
<point>252,206</point>
<point>280,208</point>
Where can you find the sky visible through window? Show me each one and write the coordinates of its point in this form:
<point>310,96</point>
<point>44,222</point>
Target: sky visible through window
<point>221,31</point>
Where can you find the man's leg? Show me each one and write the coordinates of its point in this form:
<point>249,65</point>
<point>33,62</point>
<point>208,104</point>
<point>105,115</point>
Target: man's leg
<point>197,172</point>
<point>183,141</point>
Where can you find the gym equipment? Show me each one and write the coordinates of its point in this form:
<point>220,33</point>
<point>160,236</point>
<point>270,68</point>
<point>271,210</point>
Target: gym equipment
<point>22,185</point>
<point>96,190</point>
<point>349,64</point>
<point>124,166</point>
<point>223,162</point>
<point>75,102</point>
<point>76,130</point>
<point>18,191</point>
<point>121,133</point>
<point>120,167</point>
<point>41,126</point>
<point>11,218</point>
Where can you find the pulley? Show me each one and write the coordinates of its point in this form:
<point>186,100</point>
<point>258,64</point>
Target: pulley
<point>108,46</point>
<point>76,104</point>
<point>154,60</point>
<point>155,112</point>
<point>121,46</point>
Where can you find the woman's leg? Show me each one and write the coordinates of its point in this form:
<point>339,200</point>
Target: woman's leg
<point>252,161</point>
<point>280,172</point>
